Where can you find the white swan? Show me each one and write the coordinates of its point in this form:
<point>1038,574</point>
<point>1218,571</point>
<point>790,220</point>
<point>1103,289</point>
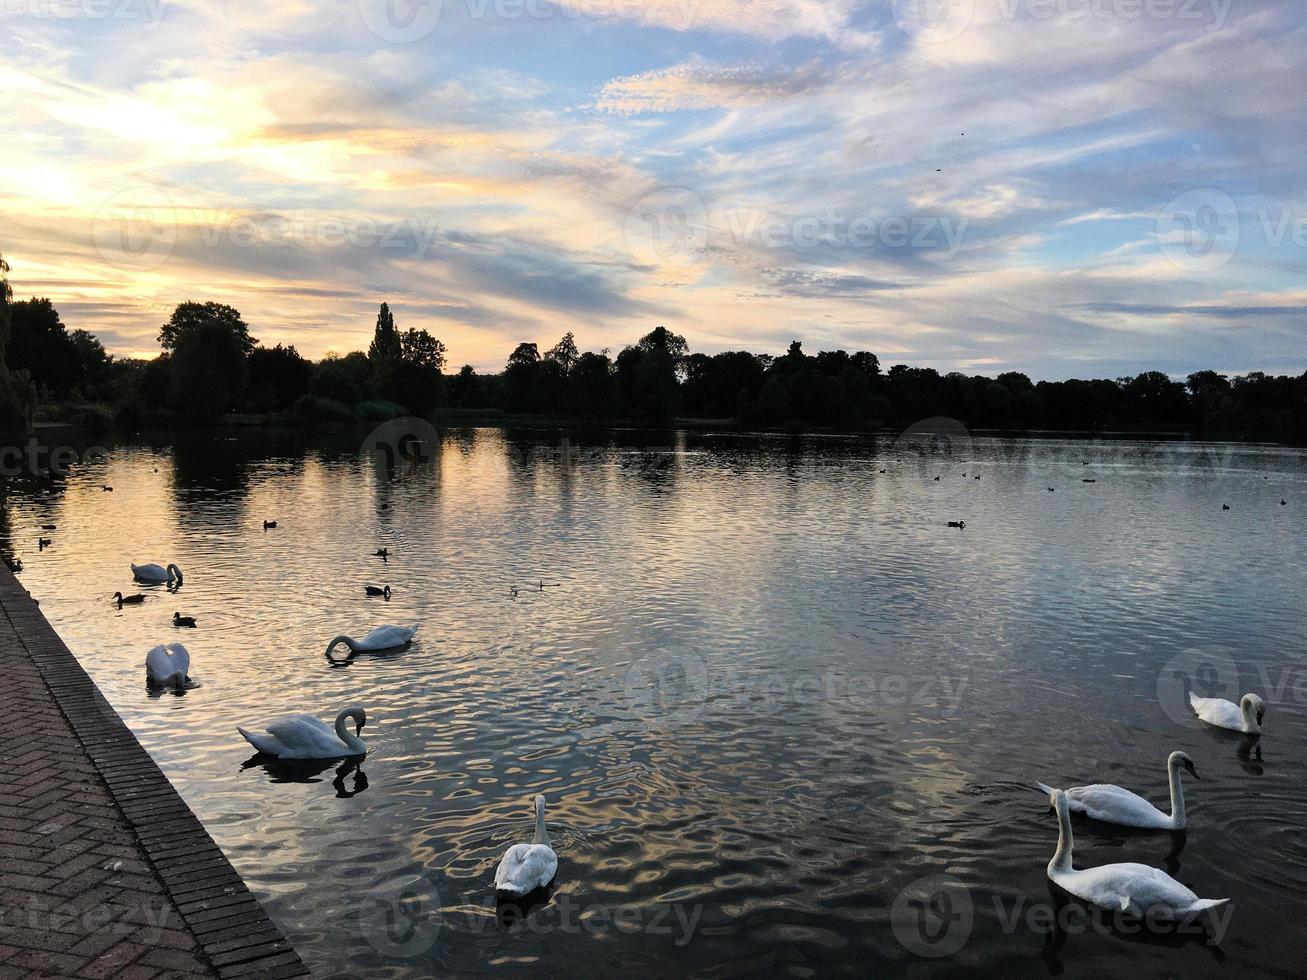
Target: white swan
<point>526,867</point>
<point>169,666</point>
<point>1112,804</point>
<point>1246,716</point>
<point>1136,889</point>
<point>157,574</point>
<point>381,638</point>
<point>304,737</point>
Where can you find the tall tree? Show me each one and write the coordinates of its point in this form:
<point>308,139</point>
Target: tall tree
<point>188,315</point>
<point>385,348</point>
<point>565,353</point>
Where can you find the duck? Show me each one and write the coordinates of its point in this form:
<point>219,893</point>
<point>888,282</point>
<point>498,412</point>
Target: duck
<point>1112,804</point>
<point>1052,489</point>
<point>381,638</point>
<point>49,527</point>
<point>305,737</point>
<point>957,524</point>
<point>169,665</point>
<point>186,622</point>
<point>1225,506</point>
<point>936,479</point>
<point>269,525</point>
<point>527,867</point>
<point>157,574</point>
<point>43,543</point>
<point>1135,889</point>
<point>1088,481</point>
<point>106,488</point>
<point>382,553</point>
<point>14,565</point>
<point>1246,716</point>
<point>128,600</point>
<point>373,590</point>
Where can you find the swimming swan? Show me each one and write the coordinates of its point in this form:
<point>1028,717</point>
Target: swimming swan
<point>1112,804</point>
<point>157,574</point>
<point>304,737</point>
<point>1246,716</point>
<point>526,867</point>
<point>1136,889</point>
<point>168,666</point>
<point>381,638</point>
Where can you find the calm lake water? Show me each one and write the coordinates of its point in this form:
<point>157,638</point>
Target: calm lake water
<point>766,690</point>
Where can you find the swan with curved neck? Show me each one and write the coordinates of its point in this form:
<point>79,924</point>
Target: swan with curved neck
<point>305,737</point>
<point>1112,804</point>
<point>1246,716</point>
<point>381,638</point>
<point>1136,889</point>
<point>157,574</point>
<point>527,867</point>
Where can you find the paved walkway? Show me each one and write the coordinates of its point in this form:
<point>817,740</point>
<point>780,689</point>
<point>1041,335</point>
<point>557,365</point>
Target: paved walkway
<point>104,870</point>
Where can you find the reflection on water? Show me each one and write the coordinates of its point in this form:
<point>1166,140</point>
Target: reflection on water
<point>763,685</point>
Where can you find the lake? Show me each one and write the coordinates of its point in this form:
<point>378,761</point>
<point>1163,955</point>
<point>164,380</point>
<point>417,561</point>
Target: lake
<point>786,719</point>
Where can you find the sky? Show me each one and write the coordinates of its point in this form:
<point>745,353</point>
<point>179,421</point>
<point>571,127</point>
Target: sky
<point>1069,188</point>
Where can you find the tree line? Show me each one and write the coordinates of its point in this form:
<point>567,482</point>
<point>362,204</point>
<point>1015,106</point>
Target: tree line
<point>210,367</point>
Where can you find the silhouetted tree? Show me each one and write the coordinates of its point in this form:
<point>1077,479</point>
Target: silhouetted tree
<point>209,369</point>
<point>279,377</point>
<point>519,377</point>
<point>188,315</point>
<point>39,343</point>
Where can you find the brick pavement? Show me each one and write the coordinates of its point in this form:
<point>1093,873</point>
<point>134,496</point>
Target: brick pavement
<point>104,870</point>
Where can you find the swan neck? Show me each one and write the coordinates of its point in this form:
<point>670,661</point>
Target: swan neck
<point>1061,863</point>
<point>1177,793</point>
<point>542,837</point>
<point>344,734</point>
<point>1249,717</point>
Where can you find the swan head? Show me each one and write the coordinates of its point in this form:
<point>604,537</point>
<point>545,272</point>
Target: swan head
<point>1252,704</point>
<point>1181,759</point>
<point>176,573</point>
<point>118,598</point>
<point>360,718</point>
<point>1057,800</point>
